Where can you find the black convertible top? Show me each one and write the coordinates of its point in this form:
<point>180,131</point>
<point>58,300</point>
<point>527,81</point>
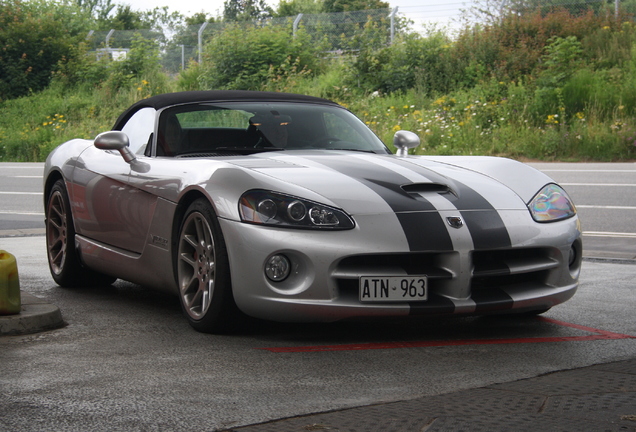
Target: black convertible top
<point>168,99</point>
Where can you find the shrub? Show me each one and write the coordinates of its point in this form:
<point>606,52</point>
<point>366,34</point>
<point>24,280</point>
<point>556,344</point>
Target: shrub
<point>411,61</point>
<point>34,37</point>
<point>242,57</point>
<point>140,70</point>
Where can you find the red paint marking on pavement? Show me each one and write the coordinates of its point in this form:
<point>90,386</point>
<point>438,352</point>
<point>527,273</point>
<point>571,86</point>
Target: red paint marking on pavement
<point>607,334</point>
<point>597,335</point>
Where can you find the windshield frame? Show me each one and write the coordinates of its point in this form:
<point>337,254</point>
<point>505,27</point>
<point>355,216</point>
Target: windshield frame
<point>262,125</point>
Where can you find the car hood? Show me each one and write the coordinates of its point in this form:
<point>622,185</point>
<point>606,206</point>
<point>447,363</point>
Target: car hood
<point>369,183</point>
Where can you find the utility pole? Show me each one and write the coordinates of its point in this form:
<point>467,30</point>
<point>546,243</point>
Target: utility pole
<point>392,17</point>
<point>616,4</point>
<point>200,37</point>
<point>296,22</point>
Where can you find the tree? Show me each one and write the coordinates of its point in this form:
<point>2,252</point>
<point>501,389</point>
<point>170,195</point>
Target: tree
<point>246,10</point>
<point>245,56</point>
<point>294,7</point>
<point>125,19</point>
<point>34,37</point>
<point>198,19</point>
<point>99,9</point>
<point>353,5</point>
<point>489,11</point>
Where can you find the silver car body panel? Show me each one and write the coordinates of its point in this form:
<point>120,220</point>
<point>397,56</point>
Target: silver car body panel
<point>125,220</point>
<point>495,258</point>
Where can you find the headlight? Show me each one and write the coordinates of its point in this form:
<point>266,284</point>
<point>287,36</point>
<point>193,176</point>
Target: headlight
<point>551,204</point>
<point>277,209</point>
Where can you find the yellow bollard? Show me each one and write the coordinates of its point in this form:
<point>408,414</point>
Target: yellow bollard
<point>9,285</point>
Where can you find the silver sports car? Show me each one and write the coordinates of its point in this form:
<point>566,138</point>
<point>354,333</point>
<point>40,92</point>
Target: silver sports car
<point>288,208</point>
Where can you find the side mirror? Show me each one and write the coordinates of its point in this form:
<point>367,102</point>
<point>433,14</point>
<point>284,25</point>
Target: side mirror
<point>115,140</point>
<point>405,140</point>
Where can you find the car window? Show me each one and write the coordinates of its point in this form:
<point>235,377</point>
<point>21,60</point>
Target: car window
<point>206,128</point>
<point>218,118</point>
<point>139,128</point>
<point>338,127</point>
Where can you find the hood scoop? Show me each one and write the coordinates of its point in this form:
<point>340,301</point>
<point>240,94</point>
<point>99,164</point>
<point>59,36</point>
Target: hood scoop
<point>424,188</point>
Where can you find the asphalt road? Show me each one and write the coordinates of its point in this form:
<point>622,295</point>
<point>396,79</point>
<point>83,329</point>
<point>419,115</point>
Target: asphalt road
<point>604,193</point>
<point>21,200</point>
<point>128,360</point>
<point>605,197</point>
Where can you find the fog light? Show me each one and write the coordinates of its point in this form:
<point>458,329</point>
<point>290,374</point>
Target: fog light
<point>277,268</point>
<point>573,256</point>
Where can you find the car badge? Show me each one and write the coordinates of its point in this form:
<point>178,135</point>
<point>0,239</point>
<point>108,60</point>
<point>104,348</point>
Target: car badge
<point>455,221</point>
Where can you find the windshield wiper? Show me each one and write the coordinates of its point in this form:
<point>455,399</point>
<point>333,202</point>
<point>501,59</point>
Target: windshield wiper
<point>351,149</point>
<point>229,151</point>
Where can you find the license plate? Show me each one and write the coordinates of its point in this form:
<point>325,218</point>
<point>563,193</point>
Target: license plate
<point>393,288</point>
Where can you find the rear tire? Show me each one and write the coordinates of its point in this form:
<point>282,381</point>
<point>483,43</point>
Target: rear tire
<point>203,272</point>
<point>64,263</point>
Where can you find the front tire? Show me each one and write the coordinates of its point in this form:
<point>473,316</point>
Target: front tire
<point>203,271</point>
<point>64,263</point>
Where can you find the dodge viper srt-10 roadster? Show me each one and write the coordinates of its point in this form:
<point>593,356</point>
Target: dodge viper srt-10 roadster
<point>288,208</point>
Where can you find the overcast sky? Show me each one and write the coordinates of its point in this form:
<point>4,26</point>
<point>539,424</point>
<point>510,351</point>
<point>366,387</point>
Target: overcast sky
<point>420,11</point>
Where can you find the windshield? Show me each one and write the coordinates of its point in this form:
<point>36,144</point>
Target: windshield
<point>248,127</point>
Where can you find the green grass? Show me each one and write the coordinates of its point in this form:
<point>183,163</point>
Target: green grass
<point>577,104</point>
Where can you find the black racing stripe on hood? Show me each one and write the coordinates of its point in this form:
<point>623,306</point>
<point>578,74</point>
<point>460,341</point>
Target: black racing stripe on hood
<point>486,227</point>
<point>425,232</point>
<point>430,174</point>
<point>484,223</point>
<point>382,181</point>
<point>422,225</point>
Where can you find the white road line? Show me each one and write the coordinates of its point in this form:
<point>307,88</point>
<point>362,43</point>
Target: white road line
<point>584,170</point>
<point>22,167</point>
<point>605,207</point>
<point>21,193</point>
<point>608,234</point>
<point>27,176</point>
<point>22,213</point>
<point>597,184</point>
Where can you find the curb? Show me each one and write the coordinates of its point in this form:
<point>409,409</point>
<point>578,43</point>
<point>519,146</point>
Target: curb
<point>37,315</point>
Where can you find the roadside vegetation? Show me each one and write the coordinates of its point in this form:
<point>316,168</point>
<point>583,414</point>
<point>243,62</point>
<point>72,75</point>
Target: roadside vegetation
<point>546,84</point>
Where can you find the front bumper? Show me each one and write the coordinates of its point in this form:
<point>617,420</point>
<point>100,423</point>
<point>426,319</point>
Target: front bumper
<point>535,273</point>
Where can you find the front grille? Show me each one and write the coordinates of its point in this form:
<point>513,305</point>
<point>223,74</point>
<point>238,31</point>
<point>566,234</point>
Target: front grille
<point>350,269</point>
<point>501,268</point>
<point>490,270</point>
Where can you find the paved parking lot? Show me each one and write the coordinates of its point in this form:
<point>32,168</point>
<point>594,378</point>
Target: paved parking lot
<point>128,360</point>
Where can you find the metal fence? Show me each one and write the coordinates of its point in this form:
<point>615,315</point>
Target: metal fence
<point>181,45</point>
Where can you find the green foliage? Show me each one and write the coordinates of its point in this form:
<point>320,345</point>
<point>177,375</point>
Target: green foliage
<point>413,61</point>
<point>140,65</point>
<point>32,126</point>
<point>352,5</point>
<point>547,84</point>
<point>610,46</point>
<point>246,10</point>
<point>294,7</point>
<point>33,39</point>
<point>81,69</point>
<point>241,57</point>
<point>562,59</point>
